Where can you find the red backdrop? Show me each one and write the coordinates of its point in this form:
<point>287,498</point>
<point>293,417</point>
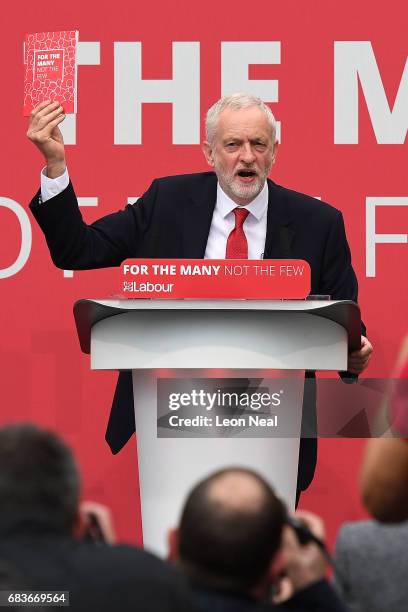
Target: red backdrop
<point>44,377</point>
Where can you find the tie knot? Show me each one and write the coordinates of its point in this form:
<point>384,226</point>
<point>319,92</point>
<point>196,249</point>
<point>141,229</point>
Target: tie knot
<point>240,216</point>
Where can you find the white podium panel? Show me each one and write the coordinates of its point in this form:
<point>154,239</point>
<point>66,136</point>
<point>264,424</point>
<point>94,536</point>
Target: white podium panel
<point>218,339</point>
<point>170,467</point>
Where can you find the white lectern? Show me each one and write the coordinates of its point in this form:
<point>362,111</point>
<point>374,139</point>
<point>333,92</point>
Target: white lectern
<point>167,342</point>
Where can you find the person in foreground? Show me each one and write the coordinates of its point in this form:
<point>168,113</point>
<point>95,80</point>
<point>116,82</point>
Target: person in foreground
<point>42,536</point>
<point>233,545</point>
<point>384,479</point>
<point>384,470</point>
<point>234,211</point>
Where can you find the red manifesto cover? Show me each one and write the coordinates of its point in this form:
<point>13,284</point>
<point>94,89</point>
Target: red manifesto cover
<point>50,69</point>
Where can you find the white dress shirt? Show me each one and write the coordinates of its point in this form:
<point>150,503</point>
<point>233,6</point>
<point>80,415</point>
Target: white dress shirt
<point>223,220</point>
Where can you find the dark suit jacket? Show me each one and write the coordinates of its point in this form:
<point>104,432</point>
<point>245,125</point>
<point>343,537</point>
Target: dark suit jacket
<point>172,220</point>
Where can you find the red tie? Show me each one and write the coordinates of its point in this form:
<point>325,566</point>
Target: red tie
<point>237,245</point>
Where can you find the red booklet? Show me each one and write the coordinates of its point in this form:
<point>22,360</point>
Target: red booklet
<point>50,69</point>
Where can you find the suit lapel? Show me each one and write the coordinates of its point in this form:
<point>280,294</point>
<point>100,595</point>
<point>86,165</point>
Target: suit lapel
<point>198,214</point>
<point>279,233</point>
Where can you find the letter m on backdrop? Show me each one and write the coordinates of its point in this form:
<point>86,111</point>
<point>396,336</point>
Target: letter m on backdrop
<point>354,63</point>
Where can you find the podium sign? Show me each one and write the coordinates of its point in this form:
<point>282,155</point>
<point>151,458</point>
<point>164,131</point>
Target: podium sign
<point>215,279</point>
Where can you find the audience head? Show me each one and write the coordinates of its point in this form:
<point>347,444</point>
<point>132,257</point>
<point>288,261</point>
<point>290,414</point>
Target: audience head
<point>38,476</point>
<point>230,531</point>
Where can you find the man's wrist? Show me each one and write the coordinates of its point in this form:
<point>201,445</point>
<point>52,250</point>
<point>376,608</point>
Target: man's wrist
<point>309,567</point>
<point>55,169</point>
<point>302,579</point>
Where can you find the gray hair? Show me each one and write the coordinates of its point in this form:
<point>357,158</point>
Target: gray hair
<point>236,101</point>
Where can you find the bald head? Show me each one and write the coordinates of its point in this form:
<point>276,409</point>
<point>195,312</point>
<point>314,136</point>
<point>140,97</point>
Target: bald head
<point>236,491</point>
<point>231,529</point>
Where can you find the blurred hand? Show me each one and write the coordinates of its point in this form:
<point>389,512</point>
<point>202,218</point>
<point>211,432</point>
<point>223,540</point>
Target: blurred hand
<point>96,522</point>
<point>358,360</point>
<point>302,564</point>
<point>44,132</point>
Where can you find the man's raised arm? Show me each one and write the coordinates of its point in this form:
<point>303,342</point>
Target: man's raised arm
<point>73,244</point>
<point>44,132</point>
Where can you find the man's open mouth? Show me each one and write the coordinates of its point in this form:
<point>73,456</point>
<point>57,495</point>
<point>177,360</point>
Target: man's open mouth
<point>246,176</point>
<point>246,173</point>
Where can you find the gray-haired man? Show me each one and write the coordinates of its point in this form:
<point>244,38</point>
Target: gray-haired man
<point>193,216</point>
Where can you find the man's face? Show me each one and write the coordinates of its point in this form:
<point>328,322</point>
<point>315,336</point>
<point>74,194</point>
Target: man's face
<point>242,152</point>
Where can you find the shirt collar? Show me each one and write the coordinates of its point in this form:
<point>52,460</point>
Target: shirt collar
<point>257,207</point>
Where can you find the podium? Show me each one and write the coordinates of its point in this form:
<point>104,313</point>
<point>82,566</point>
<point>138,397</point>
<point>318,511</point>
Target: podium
<point>175,344</point>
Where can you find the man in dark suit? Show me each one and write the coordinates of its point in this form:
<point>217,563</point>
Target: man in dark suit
<point>232,212</point>
<point>43,545</point>
<point>233,545</point>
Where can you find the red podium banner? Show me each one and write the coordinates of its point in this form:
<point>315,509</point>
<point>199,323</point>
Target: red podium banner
<point>215,279</point>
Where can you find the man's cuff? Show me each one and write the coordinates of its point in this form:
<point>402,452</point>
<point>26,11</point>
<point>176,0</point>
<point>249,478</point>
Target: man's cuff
<point>52,187</point>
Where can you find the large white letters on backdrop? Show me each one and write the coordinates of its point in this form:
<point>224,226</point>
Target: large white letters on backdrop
<point>354,63</point>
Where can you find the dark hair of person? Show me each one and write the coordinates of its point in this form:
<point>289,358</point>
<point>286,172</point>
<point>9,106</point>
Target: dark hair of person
<point>225,547</point>
<point>38,476</point>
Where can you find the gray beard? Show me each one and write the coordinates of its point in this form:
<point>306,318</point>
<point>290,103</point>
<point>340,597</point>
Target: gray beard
<point>232,188</point>
<point>247,191</point>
